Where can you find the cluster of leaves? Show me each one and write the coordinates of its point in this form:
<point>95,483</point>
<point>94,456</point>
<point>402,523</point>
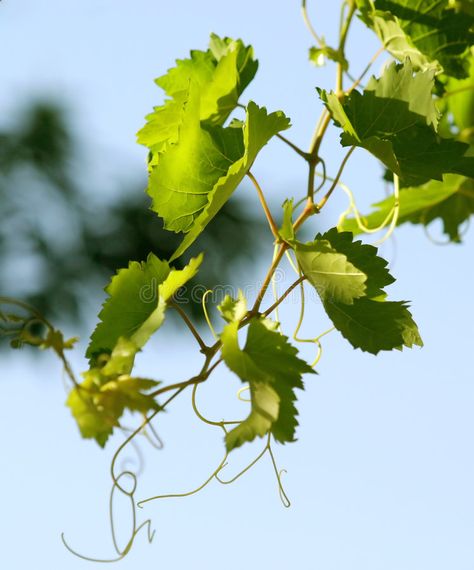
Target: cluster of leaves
<point>197,159</point>
<point>41,197</point>
<point>416,119</point>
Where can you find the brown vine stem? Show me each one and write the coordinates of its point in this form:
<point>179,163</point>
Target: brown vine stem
<point>268,278</point>
<point>203,375</point>
<point>297,149</point>
<point>263,202</point>
<point>270,309</point>
<point>191,327</point>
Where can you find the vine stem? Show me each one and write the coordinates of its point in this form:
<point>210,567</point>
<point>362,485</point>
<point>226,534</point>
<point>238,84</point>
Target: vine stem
<point>201,377</point>
<point>296,148</point>
<point>336,180</point>
<point>263,202</point>
<point>284,296</point>
<point>342,45</point>
<point>325,119</point>
<point>268,278</point>
<point>190,326</point>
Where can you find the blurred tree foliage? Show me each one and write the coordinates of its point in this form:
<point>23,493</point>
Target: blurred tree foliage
<point>59,247</point>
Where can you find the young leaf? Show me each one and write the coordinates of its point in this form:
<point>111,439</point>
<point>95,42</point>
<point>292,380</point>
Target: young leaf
<point>354,296</point>
<point>319,55</point>
<point>197,176</point>
<point>136,305</point>
<point>98,403</point>
<point>233,309</point>
<point>287,232</point>
<point>219,74</point>
<point>271,367</point>
<point>105,393</point>
<point>430,32</point>
<point>395,120</point>
<point>451,201</point>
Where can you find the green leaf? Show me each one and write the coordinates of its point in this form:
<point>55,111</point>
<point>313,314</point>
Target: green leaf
<point>459,98</point>
<point>430,32</point>
<point>364,257</point>
<point>451,201</point>
<point>318,56</point>
<point>136,305</point>
<point>271,367</point>
<point>219,74</point>
<point>374,325</point>
<point>395,120</point>
<point>286,231</point>
<point>197,176</point>
<point>330,272</point>
<point>100,400</point>
<point>233,309</point>
<point>393,38</point>
<point>353,295</point>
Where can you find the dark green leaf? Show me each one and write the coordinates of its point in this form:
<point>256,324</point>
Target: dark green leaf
<point>430,32</point>
<point>374,325</point>
<point>395,119</point>
<point>354,296</point>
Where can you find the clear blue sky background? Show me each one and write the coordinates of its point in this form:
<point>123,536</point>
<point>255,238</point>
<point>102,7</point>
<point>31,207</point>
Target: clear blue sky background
<point>382,475</point>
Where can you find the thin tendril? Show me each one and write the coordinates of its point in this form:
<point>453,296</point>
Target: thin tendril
<point>317,340</point>
<point>243,471</point>
<point>274,290</point>
<point>352,209</point>
<point>309,25</point>
<point>206,314</point>
<point>283,496</point>
<point>222,464</point>
<point>242,391</point>
<point>154,439</point>
<point>126,461</point>
<point>135,529</point>
<point>198,413</point>
<point>396,210</point>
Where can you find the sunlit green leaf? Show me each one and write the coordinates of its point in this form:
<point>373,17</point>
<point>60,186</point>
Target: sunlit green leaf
<point>219,74</point>
<point>106,392</point>
<point>271,367</point>
<point>197,176</point>
<point>136,305</point>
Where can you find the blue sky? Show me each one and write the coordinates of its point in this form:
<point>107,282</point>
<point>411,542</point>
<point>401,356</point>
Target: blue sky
<point>381,476</point>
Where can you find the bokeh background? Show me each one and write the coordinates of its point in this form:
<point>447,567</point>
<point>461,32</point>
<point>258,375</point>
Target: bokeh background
<point>382,473</point>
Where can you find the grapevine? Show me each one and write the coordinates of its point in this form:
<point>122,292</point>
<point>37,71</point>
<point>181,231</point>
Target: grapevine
<point>415,118</point>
